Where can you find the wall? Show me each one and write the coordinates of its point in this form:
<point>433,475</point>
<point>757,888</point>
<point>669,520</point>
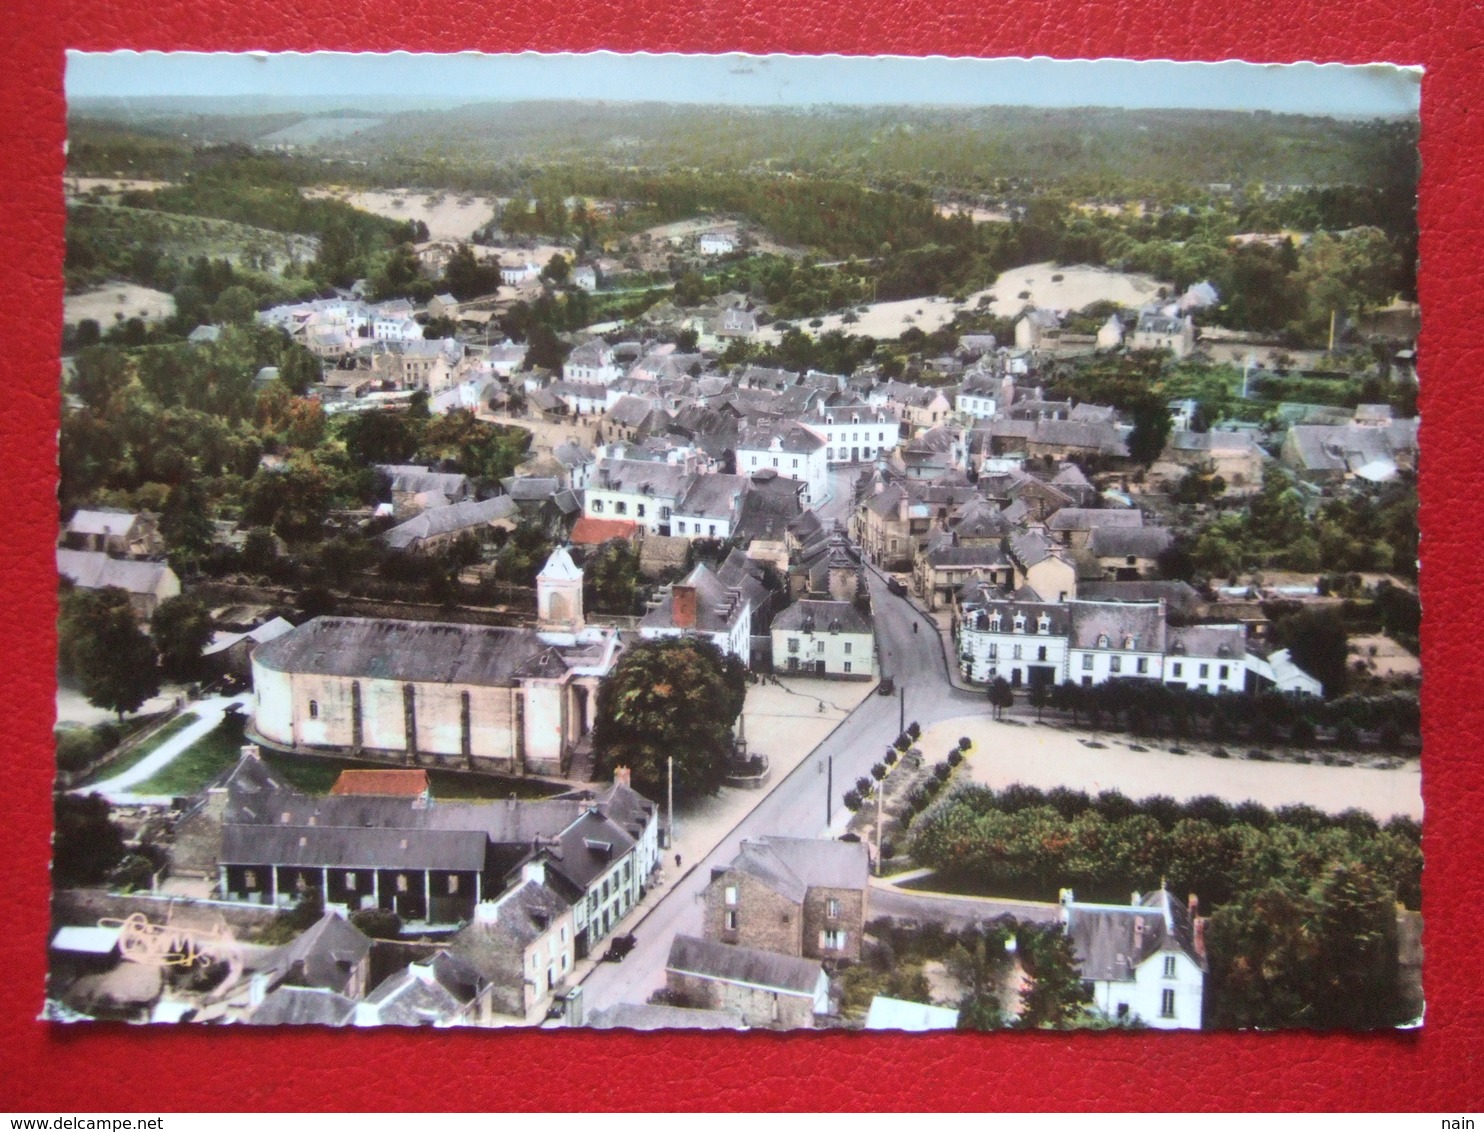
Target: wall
<point>852,920</point>
<point>766,920</point>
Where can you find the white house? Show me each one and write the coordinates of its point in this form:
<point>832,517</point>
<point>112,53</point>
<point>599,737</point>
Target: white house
<point>1145,961</point>
<point>1156,331</point>
<point>642,490</point>
<point>855,433</point>
<point>717,243</point>
<point>1277,671</point>
<point>592,363</point>
<point>824,638</point>
<point>585,278</point>
<point>1115,640</point>
<point>1208,658</point>
<point>711,507</point>
<point>1024,642</point>
<point>514,275</point>
<point>793,450</point>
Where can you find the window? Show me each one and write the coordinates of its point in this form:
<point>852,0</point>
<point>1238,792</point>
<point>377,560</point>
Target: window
<point>1043,624</point>
<point>639,510</point>
<point>847,666</point>
<point>1205,671</point>
<point>994,652</point>
<point>731,896</point>
<point>994,623</point>
<point>819,648</point>
<point>313,709</point>
<point>1020,623</point>
<point>1225,671</point>
<point>829,453</point>
<point>1086,663</point>
<point>1142,666</point>
<point>711,529</point>
<point>796,463</point>
<point>832,940</point>
<point>597,506</point>
<point>793,644</point>
<point>1169,966</point>
<point>665,514</point>
<point>1015,653</point>
<point>730,920</point>
<point>682,526</point>
<point>775,461</point>
<point>453,886</point>
<point>847,648</point>
<point>1122,1010</point>
<point>1167,1003</point>
<point>1176,671</point>
<point>832,909</point>
<point>754,461</point>
<point>350,882</point>
<point>620,508</point>
<point>1116,664</point>
<point>250,879</point>
<point>401,882</point>
<point>564,933</point>
<point>1041,652</point>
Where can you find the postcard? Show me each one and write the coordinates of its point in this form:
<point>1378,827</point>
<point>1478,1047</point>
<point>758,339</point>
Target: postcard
<point>738,542</point>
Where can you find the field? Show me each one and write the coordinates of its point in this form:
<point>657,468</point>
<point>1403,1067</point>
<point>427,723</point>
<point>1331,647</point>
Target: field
<point>447,215</point>
<point>116,302</point>
<point>1067,288</point>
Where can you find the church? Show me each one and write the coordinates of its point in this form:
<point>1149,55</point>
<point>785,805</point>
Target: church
<point>418,693</point>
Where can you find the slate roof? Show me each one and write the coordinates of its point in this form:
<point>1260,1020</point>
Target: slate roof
<point>790,866</point>
<point>1159,324</point>
<point>1092,518</point>
<point>416,479</point>
<point>714,496</point>
<point>303,1006</point>
<point>93,569</point>
<point>718,606</point>
<point>495,948</point>
<point>785,974</point>
<point>1097,437</point>
<point>643,477</point>
<point>447,520</point>
<point>792,437</point>
<point>765,515</point>
<point>965,557</point>
<point>531,489</point>
<point>325,956</point>
<point>414,996</point>
<point>630,411</point>
<point>318,846</point>
<point>428,651</point>
<point>823,617</point>
<point>1216,642</point>
<point>1112,940</point>
<point>1178,596</point>
<point>641,1016</point>
<point>1125,542</point>
<point>1091,620</point>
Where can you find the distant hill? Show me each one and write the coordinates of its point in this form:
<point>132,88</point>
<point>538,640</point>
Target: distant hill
<point>929,146</point>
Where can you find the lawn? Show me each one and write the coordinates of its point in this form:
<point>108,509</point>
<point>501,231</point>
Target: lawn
<point>199,763</point>
<point>314,775</point>
<point>144,750</point>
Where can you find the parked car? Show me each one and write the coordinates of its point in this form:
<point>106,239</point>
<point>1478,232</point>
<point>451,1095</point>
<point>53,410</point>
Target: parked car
<point>619,948</point>
<point>887,687</point>
<point>896,587</point>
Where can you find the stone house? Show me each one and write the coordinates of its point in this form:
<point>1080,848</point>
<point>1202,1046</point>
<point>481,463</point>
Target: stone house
<point>791,895</point>
<point>146,583</point>
<point>767,989</point>
<point>120,534</point>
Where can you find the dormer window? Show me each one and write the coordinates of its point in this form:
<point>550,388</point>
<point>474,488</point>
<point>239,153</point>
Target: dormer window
<point>1043,624</point>
<point>994,623</point>
<point>1020,622</point>
<point>1103,641</point>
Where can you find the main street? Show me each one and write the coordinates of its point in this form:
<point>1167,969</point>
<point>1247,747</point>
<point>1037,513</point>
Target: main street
<point>797,806</point>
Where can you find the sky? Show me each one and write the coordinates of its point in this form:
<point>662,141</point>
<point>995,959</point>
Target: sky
<point>766,80</point>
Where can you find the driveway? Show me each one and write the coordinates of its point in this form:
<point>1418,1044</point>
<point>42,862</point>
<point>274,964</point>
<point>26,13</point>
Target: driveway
<point>209,714</point>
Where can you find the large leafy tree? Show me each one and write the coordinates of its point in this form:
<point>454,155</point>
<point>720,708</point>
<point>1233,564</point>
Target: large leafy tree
<point>102,647</point>
<point>1320,954</point>
<point>85,844</point>
<point>1151,430</point>
<point>677,697</point>
<point>182,628</point>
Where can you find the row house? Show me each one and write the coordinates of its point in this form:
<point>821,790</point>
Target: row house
<point>704,605</point>
<point>855,432</point>
<point>1157,331</point>
<point>592,362</point>
<point>920,407</point>
<point>711,507</point>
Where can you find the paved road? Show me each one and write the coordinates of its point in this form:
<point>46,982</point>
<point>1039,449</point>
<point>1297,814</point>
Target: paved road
<point>208,712</point>
<point>797,806</point>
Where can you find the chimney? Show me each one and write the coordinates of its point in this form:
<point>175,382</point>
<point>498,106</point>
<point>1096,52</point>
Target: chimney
<point>621,777</point>
<point>1199,940</point>
<point>683,607</point>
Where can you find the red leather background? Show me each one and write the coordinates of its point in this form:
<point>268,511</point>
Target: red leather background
<point>55,1068</point>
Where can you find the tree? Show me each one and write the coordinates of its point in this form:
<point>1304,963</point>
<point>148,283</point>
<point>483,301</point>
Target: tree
<point>101,646</point>
<point>676,697</point>
<point>235,304</point>
<point>1316,640</point>
<point>298,368</point>
<point>85,843</point>
<point>558,270</point>
<point>610,578</point>
<point>379,438</point>
<point>1151,429</point>
<point>979,961</point>
<point>1001,696</point>
<point>1058,997</point>
<point>182,628</point>
<point>1320,954</point>
<point>99,374</point>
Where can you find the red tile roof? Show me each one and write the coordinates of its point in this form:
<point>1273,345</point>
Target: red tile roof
<point>593,532</point>
<point>389,783</point>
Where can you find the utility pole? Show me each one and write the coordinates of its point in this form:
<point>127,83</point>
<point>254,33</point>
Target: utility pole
<point>670,821</point>
<point>829,788</point>
<point>901,709</point>
<point>880,799</point>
